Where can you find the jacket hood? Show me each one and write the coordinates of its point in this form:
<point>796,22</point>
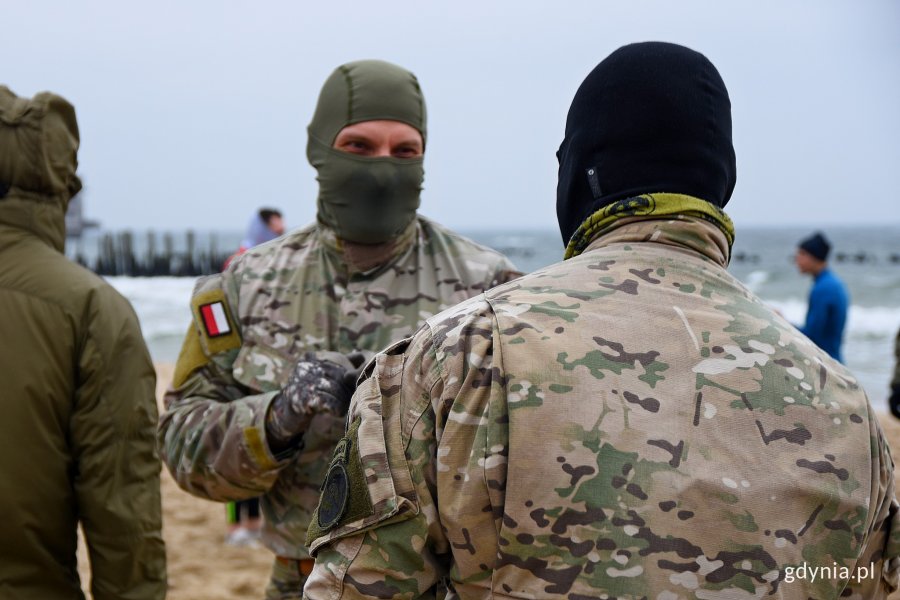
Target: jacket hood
<point>38,158</point>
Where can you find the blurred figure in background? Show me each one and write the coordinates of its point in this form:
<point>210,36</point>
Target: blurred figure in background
<point>894,398</point>
<point>266,225</point>
<point>244,522</point>
<point>266,372</point>
<point>78,403</point>
<point>826,314</point>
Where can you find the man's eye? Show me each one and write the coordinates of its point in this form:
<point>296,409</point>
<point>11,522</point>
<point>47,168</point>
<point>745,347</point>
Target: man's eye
<point>356,146</point>
<point>406,152</point>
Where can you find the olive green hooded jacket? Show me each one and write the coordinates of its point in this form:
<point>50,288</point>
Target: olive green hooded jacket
<point>76,387</point>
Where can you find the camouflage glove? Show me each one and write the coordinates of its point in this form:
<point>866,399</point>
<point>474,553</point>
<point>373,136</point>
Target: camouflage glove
<point>894,401</point>
<point>316,385</point>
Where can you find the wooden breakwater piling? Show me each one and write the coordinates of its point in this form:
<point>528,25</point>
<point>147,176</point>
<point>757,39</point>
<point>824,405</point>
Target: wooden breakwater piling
<point>152,255</point>
<point>192,254</point>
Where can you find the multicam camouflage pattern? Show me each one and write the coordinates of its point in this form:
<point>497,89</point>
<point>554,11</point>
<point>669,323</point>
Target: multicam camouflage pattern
<point>630,423</point>
<point>293,295</point>
<point>286,582</point>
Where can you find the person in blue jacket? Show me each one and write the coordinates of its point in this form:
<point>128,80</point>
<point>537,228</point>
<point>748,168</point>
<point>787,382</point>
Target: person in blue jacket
<point>828,298</point>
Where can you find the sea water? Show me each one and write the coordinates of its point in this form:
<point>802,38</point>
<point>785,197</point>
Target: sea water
<point>867,259</point>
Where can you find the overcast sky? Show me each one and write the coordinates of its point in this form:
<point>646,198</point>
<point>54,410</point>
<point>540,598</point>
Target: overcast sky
<point>193,114</point>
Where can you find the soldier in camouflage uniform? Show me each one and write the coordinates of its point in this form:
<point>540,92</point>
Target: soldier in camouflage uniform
<point>255,407</point>
<point>629,423</point>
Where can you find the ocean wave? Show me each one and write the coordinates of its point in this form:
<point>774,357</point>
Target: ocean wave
<point>163,307</point>
<point>161,303</point>
<point>755,279</point>
<point>862,321</point>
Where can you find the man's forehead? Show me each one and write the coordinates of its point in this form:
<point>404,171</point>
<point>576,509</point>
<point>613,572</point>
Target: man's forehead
<point>395,129</point>
<point>368,91</point>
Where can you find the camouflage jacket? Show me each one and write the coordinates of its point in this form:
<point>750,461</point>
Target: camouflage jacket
<point>630,423</point>
<point>275,302</point>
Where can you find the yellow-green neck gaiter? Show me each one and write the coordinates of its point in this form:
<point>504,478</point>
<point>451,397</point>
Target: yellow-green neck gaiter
<point>650,206</point>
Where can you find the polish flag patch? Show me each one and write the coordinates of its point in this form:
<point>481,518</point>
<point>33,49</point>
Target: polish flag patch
<point>215,319</point>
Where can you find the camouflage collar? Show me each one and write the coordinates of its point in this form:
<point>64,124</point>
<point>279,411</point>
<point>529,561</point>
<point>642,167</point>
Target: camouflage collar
<point>669,216</point>
<point>362,258</point>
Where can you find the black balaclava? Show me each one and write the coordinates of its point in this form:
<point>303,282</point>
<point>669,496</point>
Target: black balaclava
<point>367,200</point>
<point>652,117</point>
<point>817,246</point>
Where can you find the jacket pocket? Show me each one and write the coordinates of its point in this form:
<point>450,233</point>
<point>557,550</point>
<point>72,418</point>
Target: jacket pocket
<point>368,481</point>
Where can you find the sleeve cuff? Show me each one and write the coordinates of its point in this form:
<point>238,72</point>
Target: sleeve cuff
<point>255,442</point>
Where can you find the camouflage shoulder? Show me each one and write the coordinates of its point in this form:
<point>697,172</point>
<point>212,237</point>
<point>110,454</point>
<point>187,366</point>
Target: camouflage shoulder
<point>214,328</point>
<point>441,237</point>
<point>472,308</point>
<point>394,349</point>
<point>449,329</point>
<point>263,256</point>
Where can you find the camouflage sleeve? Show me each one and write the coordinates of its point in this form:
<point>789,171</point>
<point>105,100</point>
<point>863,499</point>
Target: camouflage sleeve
<point>878,567</point>
<point>378,536</point>
<point>504,271</point>
<point>417,424</point>
<point>212,435</point>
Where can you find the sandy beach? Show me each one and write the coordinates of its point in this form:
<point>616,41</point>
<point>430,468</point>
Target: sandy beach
<point>203,567</point>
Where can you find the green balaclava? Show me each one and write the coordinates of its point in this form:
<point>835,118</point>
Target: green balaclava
<point>364,199</point>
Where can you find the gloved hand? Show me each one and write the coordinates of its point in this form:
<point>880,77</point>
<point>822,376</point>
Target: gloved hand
<point>321,382</point>
<point>316,385</point>
<point>894,401</point>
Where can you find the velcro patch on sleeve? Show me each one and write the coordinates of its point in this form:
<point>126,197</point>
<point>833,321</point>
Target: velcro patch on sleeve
<point>215,321</point>
<point>369,482</point>
<point>344,494</point>
<point>256,448</point>
<point>190,358</point>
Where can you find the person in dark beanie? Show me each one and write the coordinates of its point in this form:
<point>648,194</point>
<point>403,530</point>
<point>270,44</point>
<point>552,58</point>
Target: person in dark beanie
<point>826,314</point>
<point>631,422</point>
